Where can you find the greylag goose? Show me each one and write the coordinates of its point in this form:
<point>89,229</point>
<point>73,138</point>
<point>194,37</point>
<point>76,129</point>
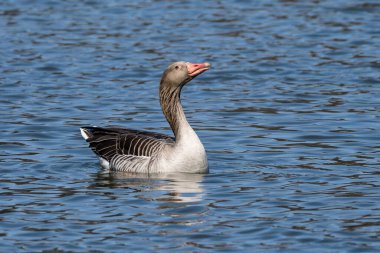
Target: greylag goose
<point>138,151</point>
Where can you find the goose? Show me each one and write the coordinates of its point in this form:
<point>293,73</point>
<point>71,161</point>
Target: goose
<point>137,151</point>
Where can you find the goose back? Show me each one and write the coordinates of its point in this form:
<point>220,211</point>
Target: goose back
<point>122,146</point>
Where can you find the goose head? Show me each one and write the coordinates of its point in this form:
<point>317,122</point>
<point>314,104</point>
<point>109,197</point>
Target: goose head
<point>180,73</point>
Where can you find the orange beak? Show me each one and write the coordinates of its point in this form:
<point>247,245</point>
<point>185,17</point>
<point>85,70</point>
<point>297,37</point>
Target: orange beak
<point>195,69</point>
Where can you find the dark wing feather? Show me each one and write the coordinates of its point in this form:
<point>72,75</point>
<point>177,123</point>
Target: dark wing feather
<point>108,142</point>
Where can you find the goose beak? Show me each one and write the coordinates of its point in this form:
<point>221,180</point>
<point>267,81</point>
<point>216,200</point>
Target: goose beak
<point>195,69</point>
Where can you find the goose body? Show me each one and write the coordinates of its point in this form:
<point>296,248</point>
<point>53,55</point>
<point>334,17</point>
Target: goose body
<point>136,151</point>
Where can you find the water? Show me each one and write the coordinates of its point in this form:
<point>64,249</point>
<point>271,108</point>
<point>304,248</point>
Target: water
<point>289,115</point>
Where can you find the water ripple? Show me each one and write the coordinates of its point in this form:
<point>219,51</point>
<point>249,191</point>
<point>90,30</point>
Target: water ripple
<point>288,114</point>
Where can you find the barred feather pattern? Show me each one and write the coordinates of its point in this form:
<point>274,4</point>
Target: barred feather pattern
<point>126,149</point>
<point>130,163</point>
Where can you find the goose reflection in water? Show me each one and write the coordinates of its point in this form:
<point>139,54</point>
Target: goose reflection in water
<point>178,187</point>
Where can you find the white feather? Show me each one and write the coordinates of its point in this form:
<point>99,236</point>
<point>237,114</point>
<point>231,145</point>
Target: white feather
<point>84,134</point>
<point>104,163</point>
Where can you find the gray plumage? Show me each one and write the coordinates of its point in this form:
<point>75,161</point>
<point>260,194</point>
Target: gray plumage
<point>137,151</point>
<point>125,149</point>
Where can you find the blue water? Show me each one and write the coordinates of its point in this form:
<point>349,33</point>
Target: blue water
<point>289,115</point>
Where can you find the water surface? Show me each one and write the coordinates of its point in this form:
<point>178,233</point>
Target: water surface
<point>289,115</point>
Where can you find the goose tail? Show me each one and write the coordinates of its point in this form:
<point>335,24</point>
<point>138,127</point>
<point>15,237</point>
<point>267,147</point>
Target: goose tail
<point>86,133</point>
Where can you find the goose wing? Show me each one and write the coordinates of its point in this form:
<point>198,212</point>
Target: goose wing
<point>110,142</point>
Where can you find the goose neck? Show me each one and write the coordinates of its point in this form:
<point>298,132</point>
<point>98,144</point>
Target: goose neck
<point>172,108</point>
